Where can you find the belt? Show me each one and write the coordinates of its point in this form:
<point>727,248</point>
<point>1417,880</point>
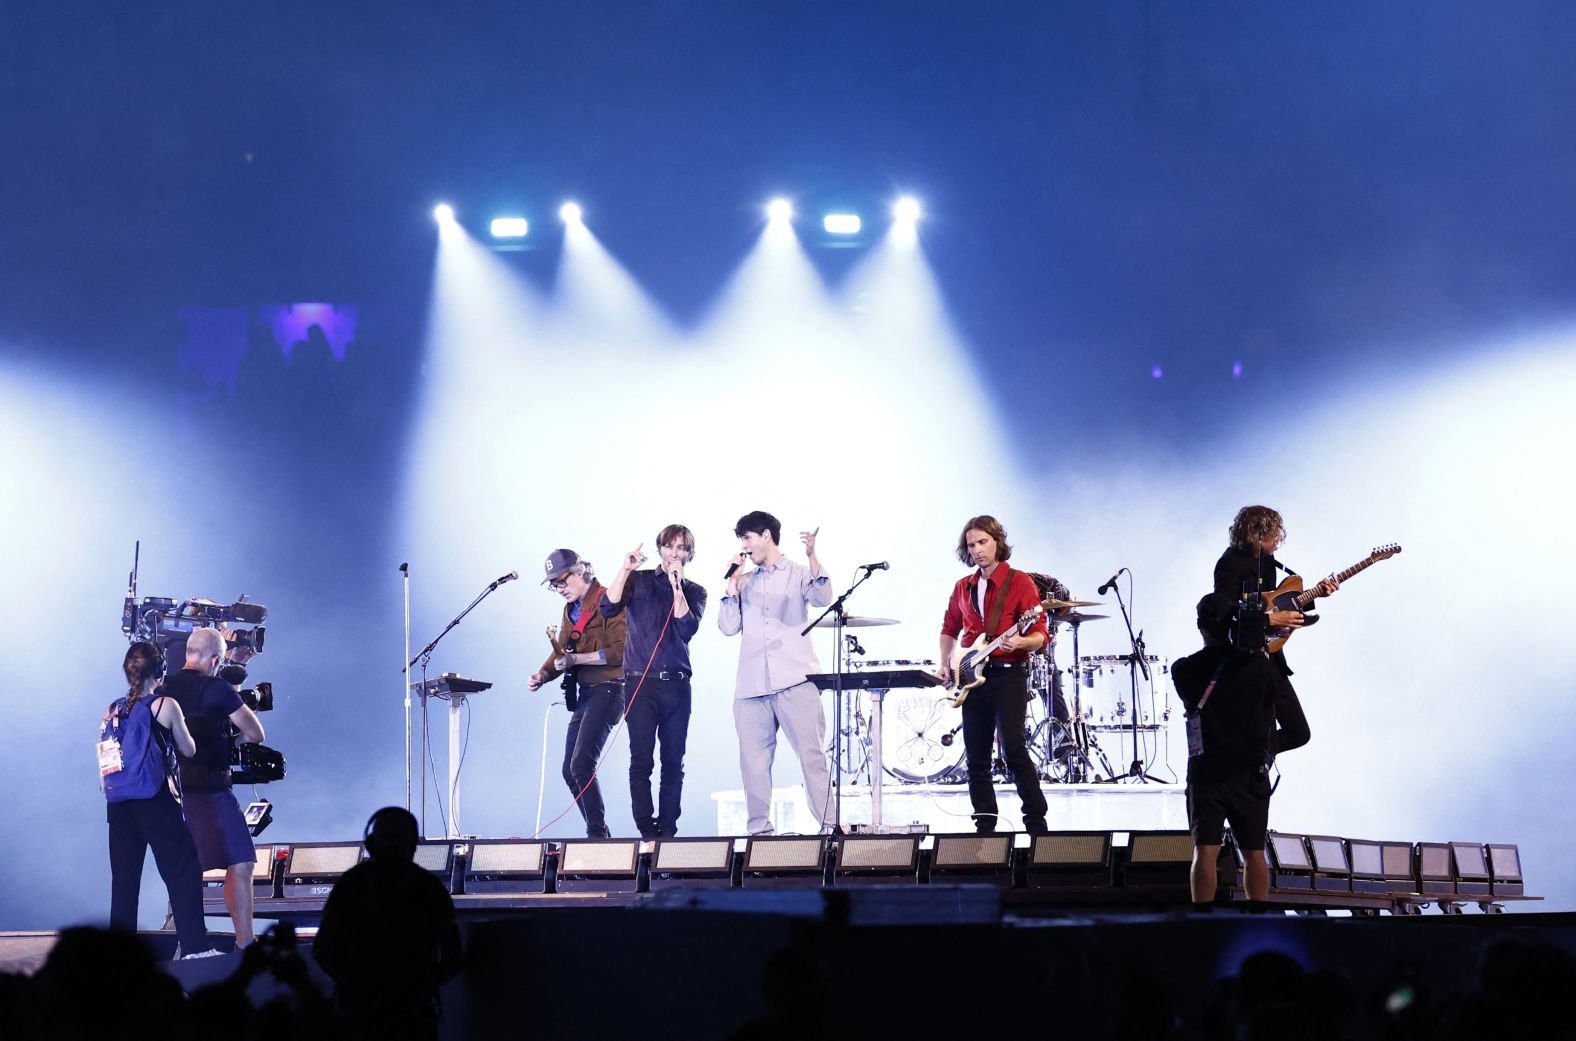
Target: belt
<point>1005,666</point>
<point>665,674</point>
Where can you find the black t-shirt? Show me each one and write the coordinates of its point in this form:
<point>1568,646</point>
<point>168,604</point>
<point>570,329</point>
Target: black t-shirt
<point>1237,719</point>
<point>1238,573</point>
<point>206,702</point>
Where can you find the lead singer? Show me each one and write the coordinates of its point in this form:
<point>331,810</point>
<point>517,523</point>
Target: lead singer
<point>769,604</point>
<point>988,602</point>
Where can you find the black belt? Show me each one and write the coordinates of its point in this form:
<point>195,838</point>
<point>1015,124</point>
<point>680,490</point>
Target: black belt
<point>1005,666</point>
<point>665,674</point>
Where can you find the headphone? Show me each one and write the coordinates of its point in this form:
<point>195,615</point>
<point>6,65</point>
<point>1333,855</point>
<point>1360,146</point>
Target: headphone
<point>391,828</point>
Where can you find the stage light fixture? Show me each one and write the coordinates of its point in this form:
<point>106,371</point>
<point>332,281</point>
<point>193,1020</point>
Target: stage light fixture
<point>1332,868</point>
<point>1158,858</point>
<point>509,227</point>
<point>841,223</point>
<point>692,863</point>
<point>771,860</point>
<point>1071,858</point>
<point>1367,861</point>
<point>262,882</point>
<point>972,858</point>
<point>1290,865</point>
<point>570,213</point>
<point>599,866</point>
<point>873,859</point>
<point>443,213</point>
<point>1396,860</point>
<point>1505,866</point>
<point>506,866</point>
<point>906,210</point>
<point>1471,867</point>
<point>779,210</point>
<point>312,868</point>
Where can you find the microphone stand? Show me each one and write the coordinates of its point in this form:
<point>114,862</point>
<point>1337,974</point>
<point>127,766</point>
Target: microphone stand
<point>1136,663</point>
<point>404,570</point>
<point>836,610</point>
<point>425,657</point>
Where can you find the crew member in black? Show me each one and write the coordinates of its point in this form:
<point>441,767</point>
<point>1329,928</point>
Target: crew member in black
<point>1249,566</point>
<point>1229,696</point>
<point>664,613</point>
<point>211,707</point>
<point>388,938</point>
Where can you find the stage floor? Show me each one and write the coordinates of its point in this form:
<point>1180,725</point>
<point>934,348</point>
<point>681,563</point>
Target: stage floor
<point>945,808</point>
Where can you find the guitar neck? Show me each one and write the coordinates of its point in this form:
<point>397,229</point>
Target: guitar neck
<point>1307,597</point>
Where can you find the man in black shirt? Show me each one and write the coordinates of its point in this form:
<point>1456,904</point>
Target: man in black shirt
<point>1229,696</point>
<point>1248,566</point>
<point>211,706</point>
<point>664,610</point>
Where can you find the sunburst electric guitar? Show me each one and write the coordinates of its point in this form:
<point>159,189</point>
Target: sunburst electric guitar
<point>1290,596</point>
<point>968,663</point>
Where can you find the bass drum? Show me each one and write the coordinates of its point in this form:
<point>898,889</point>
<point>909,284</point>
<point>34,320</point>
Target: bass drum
<point>921,737</point>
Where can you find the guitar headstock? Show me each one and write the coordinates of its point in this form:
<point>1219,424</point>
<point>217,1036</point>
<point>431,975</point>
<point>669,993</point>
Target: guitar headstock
<point>1386,551</point>
<point>1026,619</point>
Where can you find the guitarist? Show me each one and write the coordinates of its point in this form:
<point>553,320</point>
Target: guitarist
<point>1249,566</point>
<point>589,651</point>
<point>988,602</point>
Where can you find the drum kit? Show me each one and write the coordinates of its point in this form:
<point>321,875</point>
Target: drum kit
<point>921,734</point>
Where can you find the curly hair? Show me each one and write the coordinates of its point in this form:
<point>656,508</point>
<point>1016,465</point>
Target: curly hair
<point>1254,524</point>
<point>990,526</point>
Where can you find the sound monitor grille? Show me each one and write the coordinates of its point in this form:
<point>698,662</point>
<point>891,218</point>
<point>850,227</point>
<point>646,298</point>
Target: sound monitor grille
<point>784,854</point>
<point>324,860</point>
<point>1160,849</point>
<point>710,855</point>
<point>1069,850</point>
<point>607,857</point>
<point>972,851</point>
<point>492,858</point>
<point>879,852</point>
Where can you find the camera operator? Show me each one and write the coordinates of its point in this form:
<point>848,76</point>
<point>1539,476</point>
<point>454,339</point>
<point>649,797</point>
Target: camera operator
<point>212,707</point>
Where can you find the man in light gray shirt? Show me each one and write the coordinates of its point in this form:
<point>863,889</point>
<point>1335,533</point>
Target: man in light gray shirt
<point>769,604</point>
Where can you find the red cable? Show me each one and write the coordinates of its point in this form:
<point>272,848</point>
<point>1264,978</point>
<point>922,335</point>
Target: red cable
<point>619,726</point>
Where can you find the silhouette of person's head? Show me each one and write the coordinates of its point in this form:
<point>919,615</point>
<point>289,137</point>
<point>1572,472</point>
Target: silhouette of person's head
<point>392,834</point>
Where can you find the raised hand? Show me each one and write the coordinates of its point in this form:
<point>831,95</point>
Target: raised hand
<point>634,558</point>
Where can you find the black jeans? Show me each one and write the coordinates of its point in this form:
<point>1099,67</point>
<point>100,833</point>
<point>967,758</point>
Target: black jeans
<point>1290,729</point>
<point>133,827</point>
<point>598,711</point>
<point>660,709</point>
<point>1000,703</point>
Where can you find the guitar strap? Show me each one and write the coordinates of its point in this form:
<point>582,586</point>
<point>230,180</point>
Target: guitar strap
<point>1001,602</point>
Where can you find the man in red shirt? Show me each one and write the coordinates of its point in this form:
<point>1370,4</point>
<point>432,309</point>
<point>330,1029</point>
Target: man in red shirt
<point>989,602</point>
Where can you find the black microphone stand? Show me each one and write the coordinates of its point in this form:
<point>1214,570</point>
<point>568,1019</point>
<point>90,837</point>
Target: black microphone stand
<point>836,610</point>
<point>425,657</point>
<point>1136,663</point>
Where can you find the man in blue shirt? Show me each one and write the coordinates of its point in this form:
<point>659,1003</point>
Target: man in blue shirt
<point>663,613</point>
<point>769,605</point>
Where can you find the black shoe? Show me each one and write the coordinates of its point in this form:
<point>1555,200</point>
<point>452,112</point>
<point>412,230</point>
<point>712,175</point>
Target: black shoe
<point>1035,826</point>
<point>602,832</point>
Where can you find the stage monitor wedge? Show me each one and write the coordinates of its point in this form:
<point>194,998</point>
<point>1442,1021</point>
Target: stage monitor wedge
<point>599,866</point>
<point>798,861</point>
<point>692,864</point>
<point>1076,859</point>
<point>876,859</point>
<point>506,866</point>
<point>972,858</point>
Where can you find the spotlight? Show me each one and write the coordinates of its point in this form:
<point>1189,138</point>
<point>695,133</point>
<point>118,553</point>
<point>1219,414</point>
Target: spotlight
<point>779,210</point>
<point>841,223</point>
<point>509,227</point>
<point>906,210</point>
<point>443,213</point>
<point>570,213</point>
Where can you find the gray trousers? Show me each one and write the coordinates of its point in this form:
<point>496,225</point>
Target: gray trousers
<point>797,710</point>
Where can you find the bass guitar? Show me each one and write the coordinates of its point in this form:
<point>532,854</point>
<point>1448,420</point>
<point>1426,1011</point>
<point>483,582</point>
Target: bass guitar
<point>968,663</point>
<point>1290,596</point>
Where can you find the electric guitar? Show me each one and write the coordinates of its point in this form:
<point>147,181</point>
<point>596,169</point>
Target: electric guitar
<point>968,663</point>
<point>1290,596</point>
<point>571,663</point>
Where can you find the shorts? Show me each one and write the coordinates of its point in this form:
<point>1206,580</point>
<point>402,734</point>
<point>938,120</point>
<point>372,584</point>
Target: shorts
<point>218,829</point>
<point>1243,799</point>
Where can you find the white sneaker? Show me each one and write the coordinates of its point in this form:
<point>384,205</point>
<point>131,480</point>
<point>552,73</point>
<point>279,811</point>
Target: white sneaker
<point>209,953</point>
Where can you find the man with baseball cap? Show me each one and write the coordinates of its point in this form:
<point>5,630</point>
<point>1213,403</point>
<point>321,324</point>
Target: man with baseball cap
<point>588,650</point>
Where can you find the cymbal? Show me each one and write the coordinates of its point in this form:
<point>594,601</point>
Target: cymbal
<point>854,621</point>
<point>1078,618</point>
<point>1057,605</point>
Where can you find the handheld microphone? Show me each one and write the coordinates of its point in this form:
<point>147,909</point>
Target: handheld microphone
<point>1107,587</point>
<point>732,568</point>
<point>882,566</point>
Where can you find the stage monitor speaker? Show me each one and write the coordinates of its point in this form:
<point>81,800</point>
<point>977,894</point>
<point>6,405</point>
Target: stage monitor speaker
<point>1158,858</point>
<point>1505,865</point>
<point>1433,867</point>
<point>788,860</point>
<point>876,860</point>
<point>599,866</point>
<point>505,866</point>
<point>692,864</point>
<point>312,868</point>
<point>1471,867</point>
<point>262,882</point>
<point>1332,868</point>
<point>1072,859</point>
<point>971,858</point>
<point>1367,861</point>
<point>1290,865</point>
